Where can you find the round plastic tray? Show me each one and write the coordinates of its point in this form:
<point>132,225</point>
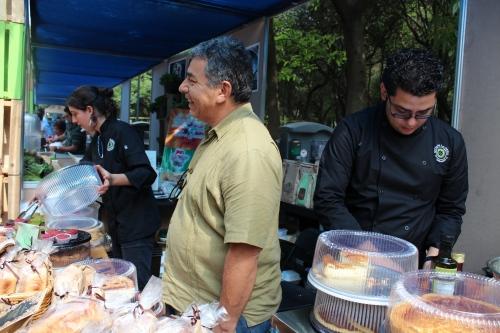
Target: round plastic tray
<point>360,266</point>
<point>471,303</point>
<point>332,314</point>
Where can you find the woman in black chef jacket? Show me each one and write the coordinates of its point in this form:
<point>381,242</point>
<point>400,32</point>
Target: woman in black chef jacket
<point>118,152</point>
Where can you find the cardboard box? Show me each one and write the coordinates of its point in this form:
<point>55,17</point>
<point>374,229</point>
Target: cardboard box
<point>299,182</point>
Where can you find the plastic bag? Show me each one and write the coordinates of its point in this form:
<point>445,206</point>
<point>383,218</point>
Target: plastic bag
<point>73,316</point>
<point>134,320</point>
<point>196,319</point>
<point>139,317</point>
<point>74,280</point>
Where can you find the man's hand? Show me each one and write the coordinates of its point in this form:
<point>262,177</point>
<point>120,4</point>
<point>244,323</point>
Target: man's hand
<point>228,326</point>
<point>431,252</point>
<point>106,179</point>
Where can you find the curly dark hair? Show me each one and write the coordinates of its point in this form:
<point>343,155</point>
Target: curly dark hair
<point>101,99</point>
<point>227,60</point>
<point>416,71</point>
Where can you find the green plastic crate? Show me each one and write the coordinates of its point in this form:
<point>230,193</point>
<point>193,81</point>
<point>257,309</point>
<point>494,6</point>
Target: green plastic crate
<point>11,60</point>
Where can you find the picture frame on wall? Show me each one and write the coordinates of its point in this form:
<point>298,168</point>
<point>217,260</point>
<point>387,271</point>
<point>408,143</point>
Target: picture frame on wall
<point>254,53</point>
<point>179,68</point>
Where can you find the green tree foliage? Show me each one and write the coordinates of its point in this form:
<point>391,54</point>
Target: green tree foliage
<point>308,56</point>
<point>142,84</point>
<point>311,52</point>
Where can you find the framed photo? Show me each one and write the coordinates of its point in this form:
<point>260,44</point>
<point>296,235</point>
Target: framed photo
<point>179,68</point>
<point>254,53</point>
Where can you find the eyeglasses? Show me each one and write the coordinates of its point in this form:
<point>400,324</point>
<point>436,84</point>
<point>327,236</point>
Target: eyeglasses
<point>177,189</point>
<point>407,114</point>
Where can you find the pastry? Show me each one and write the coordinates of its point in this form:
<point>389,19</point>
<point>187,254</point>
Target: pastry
<point>118,282</point>
<point>350,327</point>
<point>348,273</point>
<point>405,317</point>
<point>33,271</point>
<point>72,317</point>
<point>73,280</point>
<point>8,280</point>
<point>24,272</point>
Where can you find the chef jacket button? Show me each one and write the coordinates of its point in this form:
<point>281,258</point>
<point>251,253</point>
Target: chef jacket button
<point>380,191</point>
<point>424,127</point>
<point>383,157</point>
<point>424,162</point>
<point>407,228</point>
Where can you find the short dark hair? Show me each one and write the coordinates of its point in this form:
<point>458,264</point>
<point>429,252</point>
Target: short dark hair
<point>227,60</point>
<point>416,71</point>
<point>61,124</point>
<point>101,99</point>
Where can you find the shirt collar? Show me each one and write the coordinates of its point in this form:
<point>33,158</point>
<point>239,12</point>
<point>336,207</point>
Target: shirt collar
<point>105,125</point>
<point>227,123</point>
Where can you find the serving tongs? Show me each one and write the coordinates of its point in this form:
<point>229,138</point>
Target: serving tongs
<point>26,214</point>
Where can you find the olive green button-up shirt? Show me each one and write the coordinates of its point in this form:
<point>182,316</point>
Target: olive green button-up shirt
<point>231,195</point>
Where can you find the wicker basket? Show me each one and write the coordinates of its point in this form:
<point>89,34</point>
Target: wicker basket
<point>16,298</point>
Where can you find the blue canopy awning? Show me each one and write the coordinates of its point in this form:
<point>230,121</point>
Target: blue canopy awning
<point>105,42</point>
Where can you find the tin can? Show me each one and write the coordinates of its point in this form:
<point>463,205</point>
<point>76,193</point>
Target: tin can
<point>294,151</point>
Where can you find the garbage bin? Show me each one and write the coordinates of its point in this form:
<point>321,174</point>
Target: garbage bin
<point>303,140</point>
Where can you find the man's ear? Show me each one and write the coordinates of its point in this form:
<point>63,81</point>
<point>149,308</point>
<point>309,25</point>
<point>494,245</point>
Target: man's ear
<point>383,92</point>
<point>226,90</point>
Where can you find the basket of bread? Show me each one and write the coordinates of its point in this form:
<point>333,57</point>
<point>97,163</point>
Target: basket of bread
<point>24,274</point>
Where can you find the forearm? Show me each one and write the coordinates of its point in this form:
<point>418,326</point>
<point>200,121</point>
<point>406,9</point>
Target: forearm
<point>335,216</point>
<point>238,280</point>
<point>66,149</point>
<point>119,179</point>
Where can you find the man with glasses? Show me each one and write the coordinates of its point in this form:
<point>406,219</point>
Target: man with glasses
<point>394,168</point>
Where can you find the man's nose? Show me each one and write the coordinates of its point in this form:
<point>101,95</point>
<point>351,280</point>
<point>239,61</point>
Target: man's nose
<point>183,87</point>
<point>412,121</point>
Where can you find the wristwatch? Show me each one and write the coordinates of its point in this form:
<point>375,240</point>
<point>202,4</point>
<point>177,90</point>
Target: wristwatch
<point>431,258</point>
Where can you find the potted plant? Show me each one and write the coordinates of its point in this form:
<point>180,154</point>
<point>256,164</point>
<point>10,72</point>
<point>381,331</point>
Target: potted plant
<point>170,83</point>
<point>160,106</point>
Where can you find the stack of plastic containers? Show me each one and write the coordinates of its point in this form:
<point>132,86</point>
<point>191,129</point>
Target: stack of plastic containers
<point>94,227</point>
<point>473,307</point>
<point>354,272</point>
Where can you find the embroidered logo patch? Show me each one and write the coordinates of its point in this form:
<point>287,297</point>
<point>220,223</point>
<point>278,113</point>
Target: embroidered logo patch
<point>111,145</point>
<point>441,153</point>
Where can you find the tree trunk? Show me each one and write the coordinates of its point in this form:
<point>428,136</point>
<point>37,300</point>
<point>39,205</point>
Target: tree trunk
<point>352,13</point>
<point>272,108</point>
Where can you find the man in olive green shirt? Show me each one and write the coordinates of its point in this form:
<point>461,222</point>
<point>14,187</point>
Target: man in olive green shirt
<point>222,239</point>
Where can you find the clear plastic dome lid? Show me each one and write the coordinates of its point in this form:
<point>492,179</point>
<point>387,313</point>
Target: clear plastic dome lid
<point>360,266</point>
<point>425,301</point>
<point>113,267</point>
<point>80,223</point>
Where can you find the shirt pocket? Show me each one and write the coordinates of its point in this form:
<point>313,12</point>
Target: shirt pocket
<point>431,178</point>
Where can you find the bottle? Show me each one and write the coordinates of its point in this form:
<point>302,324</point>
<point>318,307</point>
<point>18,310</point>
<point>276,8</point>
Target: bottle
<point>460,258</point>
<point>444,283</point>
<point>444,262</point>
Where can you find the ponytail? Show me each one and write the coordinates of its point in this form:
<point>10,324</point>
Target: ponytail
<point>101,99</point>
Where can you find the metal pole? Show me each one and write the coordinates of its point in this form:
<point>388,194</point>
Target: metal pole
<point>138,103</point>
<point>462,24</point>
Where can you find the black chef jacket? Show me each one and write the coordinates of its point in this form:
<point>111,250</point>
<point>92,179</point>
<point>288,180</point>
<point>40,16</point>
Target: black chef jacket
<point>132,209</point>
<point>409,186</point>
